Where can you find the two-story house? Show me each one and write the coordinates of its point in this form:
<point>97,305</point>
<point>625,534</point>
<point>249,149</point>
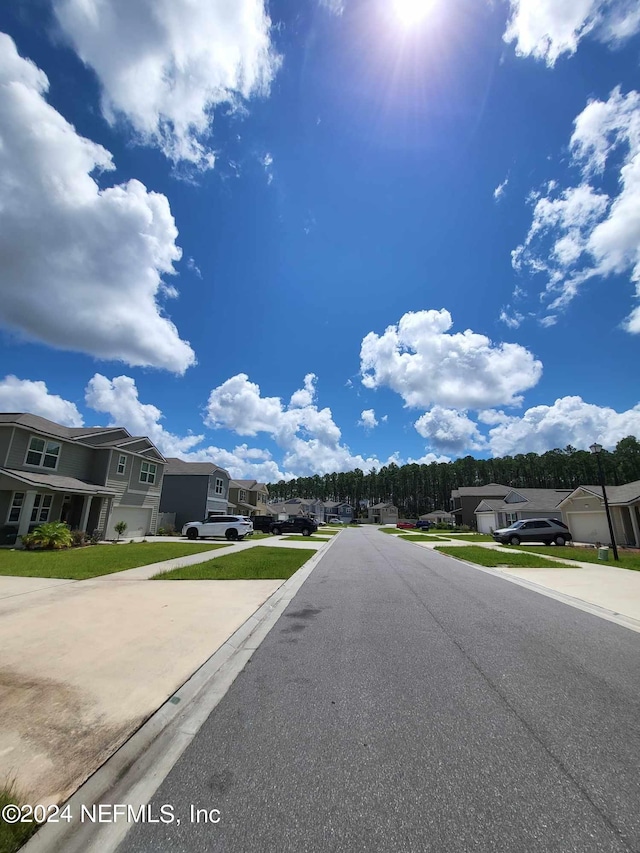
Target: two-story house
<point>89,477</point>
<point>194,490</point>
<point>465,500</point>
<point>248,497</point>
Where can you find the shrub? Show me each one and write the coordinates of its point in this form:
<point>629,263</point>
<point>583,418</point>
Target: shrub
<point>161,532</point>
<point>96,537</point>
<point>79,538</point>
<point>28,542</point>
<point>52,535</point>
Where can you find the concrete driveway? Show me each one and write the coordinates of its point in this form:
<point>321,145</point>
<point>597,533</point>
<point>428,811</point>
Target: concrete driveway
<point>84,663</point>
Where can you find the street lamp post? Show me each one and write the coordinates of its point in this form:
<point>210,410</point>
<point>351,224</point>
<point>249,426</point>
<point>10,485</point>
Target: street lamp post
<point>596,449</point>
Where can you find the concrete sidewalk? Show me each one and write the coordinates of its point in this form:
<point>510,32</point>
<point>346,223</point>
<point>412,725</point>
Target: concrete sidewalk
<point>84,663</point>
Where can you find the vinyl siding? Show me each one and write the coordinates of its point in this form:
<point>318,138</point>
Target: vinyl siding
<point>186,495</point>
<point>75,460</point>
<point>130,492</point>
<point>5,441</point>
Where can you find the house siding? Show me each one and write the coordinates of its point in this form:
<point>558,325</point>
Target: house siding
<point>75,460</point>
<point>5,441</point>
<point>186,495</point>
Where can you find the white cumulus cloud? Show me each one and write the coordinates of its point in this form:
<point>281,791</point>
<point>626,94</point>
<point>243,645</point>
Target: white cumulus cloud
<point>168,64</point>
<point>25,395</point>
<point>450,431</point>
<point>368,419</point>
<point>426,365</point>
<point>570,420</point>
<point>549,29</point>
<point>119,399</point>
<point>81,266</point>
<point>501,189</point>
<point>580,232</point>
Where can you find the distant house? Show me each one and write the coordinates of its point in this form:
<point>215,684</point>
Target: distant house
<point>91,478</point>
<point>583,511</point>
<point>492,514</point>
<point>465,500</point>
<point>439,516</point>
<point>248,497</point>
<point>294,507</point>
<point>382,513</point>
<point>194,490</point>
<point>338,509</point>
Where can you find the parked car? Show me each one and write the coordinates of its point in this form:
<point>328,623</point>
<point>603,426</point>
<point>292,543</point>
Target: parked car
<point>334,520</point>
<point>406,525</point>
<point>424,525</point>
<point>262,523</point>
<point>547,530</point>
<point>300,524</point>
<point>232,527</point>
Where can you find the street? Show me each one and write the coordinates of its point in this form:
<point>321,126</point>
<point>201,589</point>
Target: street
<point>407,702</point>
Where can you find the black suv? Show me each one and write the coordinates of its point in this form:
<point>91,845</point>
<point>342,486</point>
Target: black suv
<point>303,525</point>
<point>545,530</point>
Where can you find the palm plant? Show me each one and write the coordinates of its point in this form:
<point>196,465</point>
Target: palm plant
<point>52,535</point>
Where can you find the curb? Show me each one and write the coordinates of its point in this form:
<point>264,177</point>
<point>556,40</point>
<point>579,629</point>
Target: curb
<point>136,770</point>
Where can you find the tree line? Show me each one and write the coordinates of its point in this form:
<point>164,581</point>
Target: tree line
<point>418,489</point>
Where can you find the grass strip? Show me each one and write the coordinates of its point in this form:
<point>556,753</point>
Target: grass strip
<point>95,560</point>
<point>468,537</point>
<point>13,835</point>
<point>585,555</point>
<point>253,564</point>
<point>423,538</point>
<point>303,539</point>
<point>492,558</point>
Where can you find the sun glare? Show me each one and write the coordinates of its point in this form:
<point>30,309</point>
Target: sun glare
<point>412,12</point>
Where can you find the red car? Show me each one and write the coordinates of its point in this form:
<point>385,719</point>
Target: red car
<point>405,525</point>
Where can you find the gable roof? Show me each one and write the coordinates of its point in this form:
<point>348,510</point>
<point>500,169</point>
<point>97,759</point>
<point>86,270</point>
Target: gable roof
<point>627,493</point>
<point>491,489</point>
<point>179,466</point>
<point>78,434</point>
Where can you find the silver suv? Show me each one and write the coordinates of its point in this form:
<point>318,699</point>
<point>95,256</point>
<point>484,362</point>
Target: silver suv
<point>232,527</point>
<point>547,530</point>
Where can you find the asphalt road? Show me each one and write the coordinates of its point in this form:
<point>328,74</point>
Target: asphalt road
<point>406,702</point>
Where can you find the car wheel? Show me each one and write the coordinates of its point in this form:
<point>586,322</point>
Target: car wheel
<point>192,533</point>
<point>232,534</point>
<point>560,540</point>
<point>306,532</point>
<point>514,540</point>
<point>276,531</point>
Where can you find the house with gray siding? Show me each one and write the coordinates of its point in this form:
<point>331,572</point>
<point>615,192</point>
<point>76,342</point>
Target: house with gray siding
<point>88,477</point>
<point>518,504</point>
<point>194,490</point>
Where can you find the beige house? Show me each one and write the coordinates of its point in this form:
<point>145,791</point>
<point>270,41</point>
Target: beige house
<point>382,513</point>
<point>583,511</point>
<point>439,516</point>
<point>248,497</point>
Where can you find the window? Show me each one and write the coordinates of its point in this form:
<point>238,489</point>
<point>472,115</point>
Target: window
<point>148,473</point>
<point>510,518</point>
<point>122,464</point>
<point>42,453</point>
<point>39,513</point>
<point>16,506</point>
<point>219,486</point>
<point>41,508</point>
<point>243,495</point>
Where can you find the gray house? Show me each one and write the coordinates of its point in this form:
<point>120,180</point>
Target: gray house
<point>518,504</point>
<point>465,500</point>
<point>338,509</point>
<point>194,490</point>
<point>89,477</point>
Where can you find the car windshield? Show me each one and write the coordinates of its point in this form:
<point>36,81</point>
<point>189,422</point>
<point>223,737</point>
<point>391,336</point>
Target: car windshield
<point>515,525</point>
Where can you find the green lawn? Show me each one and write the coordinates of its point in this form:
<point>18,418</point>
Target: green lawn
<point>252,564</point>
<point>466,537</point>
<point>391,530</point>
<point>298,538</point>
<point>490,557</point>
<point>423,538</point>
<point>585,555</point>
<point>93,561</point>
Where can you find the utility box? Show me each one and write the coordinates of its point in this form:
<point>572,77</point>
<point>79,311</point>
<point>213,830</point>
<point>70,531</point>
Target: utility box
<point>603,554</point>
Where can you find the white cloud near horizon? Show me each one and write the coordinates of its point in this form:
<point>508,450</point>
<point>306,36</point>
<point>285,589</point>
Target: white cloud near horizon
<point>549,29</point>
<point>579,233</point>
<point>569,420</point>
<point>25,395</point>
<point>82,266</point>
<point>167,65</point>
<point>450,431</point>
<point>309,437</point>
<point>427,366</point>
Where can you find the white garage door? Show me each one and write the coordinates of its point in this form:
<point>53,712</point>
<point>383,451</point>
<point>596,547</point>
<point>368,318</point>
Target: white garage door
<point>138,521</point>
<point>588,527</point>
<point>485,521</point>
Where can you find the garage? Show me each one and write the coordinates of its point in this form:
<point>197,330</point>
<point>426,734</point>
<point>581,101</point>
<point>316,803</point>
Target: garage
<point>138,521</point>
<point>486,522</point>
<point>588,527</point>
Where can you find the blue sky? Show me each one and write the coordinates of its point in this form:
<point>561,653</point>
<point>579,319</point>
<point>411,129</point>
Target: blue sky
<point>301,237</point>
